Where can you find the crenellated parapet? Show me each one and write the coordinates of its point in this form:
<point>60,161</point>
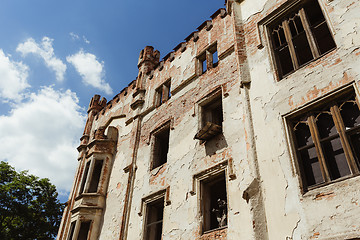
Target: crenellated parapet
<point>149,57</point>
<point>96,104</point>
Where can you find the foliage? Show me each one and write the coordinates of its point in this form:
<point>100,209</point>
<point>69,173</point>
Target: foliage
<point>29,208</point>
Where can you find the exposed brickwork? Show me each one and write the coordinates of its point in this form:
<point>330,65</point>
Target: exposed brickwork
<point>218,234</point>
<point>255,148</point>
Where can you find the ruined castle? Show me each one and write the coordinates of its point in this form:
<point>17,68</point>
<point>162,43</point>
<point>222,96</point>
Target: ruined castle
<point>249,129</point>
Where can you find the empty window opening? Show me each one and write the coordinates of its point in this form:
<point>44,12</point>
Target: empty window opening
<point>203,63</point>
<point>95,178</point>
<point>211,119</point>
<point>213,55</point>
<point>208,59</point>
<point>214,203</point>
<point>212,112</point>
<point>161,147</point>
<point>299,37</point>
<point>154,220</point>
<point>72,229</point>
<point>85,177</point>
<point>84,230</point>
<point>327,142</point>
<point>215,58</point>
<point>163,93</point>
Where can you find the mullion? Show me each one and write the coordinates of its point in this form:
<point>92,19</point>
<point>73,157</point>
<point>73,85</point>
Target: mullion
<point>339,124</point>
<point>321,156</point>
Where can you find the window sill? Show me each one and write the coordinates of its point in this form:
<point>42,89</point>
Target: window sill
<point>209,131</point>
<point>220,233</point>
<point>82,195</point>
<point>315,190</point>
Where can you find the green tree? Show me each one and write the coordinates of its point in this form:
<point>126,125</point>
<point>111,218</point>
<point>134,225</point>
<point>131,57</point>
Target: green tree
<point>29,208</point>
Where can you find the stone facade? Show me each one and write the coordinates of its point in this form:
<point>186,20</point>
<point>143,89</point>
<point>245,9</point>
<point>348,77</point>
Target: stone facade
<point>225,137</point>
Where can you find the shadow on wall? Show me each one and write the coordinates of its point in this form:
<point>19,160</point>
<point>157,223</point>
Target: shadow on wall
<point>215,144</point>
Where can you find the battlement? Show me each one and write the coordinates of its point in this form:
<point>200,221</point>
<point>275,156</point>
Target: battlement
<point>96,103</point>
<point>148,54</point>
<point>149,63</point>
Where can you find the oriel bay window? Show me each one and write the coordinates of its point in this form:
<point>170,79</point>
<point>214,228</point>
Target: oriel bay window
<point>300,36</point>
<point>327,141</point>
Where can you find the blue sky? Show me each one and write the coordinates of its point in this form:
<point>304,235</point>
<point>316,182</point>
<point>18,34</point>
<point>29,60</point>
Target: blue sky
<point>55,55</point>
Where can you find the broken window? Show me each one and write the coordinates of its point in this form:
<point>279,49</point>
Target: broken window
<point>299,37</point>
<point>163,93</point>
<point>214,202</point>
<point>72,229</point>
<point>84,177</point>
<point>84,230</point>
<point>208,59</point>
<point>211,118</point>
<point>327,141</point>
<point>203,63</point>
<point>161,146</point>
<point>95,177</point>
<point>93,170</point>
<point>213,56</point>
<point>154,219</point>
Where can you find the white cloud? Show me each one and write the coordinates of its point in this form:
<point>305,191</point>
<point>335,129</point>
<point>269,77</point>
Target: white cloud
<point>74,36</point>
<point>90,69</point>
<point>46,51</point>
<point>42,134</point>
<point>13,80</point>
<point>86,40</point>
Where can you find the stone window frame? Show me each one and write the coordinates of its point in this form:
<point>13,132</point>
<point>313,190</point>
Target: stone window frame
<point>148,200</point>
<point>330,100</point>
<point>88,175</point>
<point>283,12</point>
<point>207,131</point>
<point>75,227</point>
<point>207,57</point>
<point>225,167</point>
<point>162,93</point>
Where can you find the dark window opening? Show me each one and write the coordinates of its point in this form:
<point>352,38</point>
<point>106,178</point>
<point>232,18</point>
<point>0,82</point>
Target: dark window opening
<point>327,142</point>
<point>214,203</point>
<point>213,112</point>
<point>84,230</point>
<point>211,119</point>
<point>300,37</point>
<point>161,147</point>
<point>154,220</point>
<point>163,93</point>
<point>95,178</point>
<point>85,177</point>
<point>72,229</point>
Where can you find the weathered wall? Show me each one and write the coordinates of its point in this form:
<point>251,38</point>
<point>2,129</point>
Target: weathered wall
<point>289,212</point>
<point>265,200</point>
